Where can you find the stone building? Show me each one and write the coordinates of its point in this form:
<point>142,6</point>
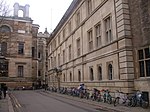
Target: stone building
<point>18,49</point>
<point>103,44</point>
<point>42,55</point>
<point>140,26</point>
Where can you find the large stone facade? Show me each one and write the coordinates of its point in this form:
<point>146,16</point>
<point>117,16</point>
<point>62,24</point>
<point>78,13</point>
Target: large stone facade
<point>42,55</point>
<point>21,46</point>
<point>97,42</point>
<point>140,25</point>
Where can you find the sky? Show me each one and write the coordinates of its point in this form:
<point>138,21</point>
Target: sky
<point>46,13</point>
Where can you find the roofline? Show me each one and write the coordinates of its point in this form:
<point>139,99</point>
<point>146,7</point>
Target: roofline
<point>67,14</point>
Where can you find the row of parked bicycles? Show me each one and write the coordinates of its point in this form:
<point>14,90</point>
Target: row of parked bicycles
<point>119,98</point>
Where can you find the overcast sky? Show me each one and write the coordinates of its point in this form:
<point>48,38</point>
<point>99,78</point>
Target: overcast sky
<point>46,13</point>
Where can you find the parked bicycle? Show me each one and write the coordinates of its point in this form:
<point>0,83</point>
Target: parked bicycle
<point>96,95</point>
<point>138,100</point>
<point>107,97</point>
<point>122,98</point>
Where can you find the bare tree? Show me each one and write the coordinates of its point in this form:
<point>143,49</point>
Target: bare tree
<point>4,12</point>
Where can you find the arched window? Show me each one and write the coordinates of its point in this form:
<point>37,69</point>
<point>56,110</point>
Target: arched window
<point>91,74</point>
<point>20,13</point>
<point>79,76</point>
<point>110,71</point>
<point>5,29</point>
<point>70,76</point>
<point>99,73</point>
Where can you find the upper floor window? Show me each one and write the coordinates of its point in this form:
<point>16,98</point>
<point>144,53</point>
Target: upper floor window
<point>98,35</point>
<point>20,71</point>
<point>108,30</point>
<point>33,52</point>
<point>5,29</point>
<point>3,48</point>
<point>55,61</point>
<point>78,18</point>
<point>64,34</point>
<point>58,39</point>
<point>70,52</point>
<point>110,72</point>
<point>39,73</point>
<point>39,55</point>
<point>58,59</point>
<point>21,48</point>
<point>89,6</point>
<point>69,27</point>
<point>78,47</point>
<point>144,62</point>
<point>64,56</point>
<point>90,40</point>
<point>54,44</point>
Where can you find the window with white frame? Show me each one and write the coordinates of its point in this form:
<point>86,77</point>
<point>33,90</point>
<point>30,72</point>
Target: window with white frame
<point>98,35</point>
<point>20,71</point>
<point>90,40</point>
<point>21,48</point>
<point>144,62</point>
<point>108,29</point>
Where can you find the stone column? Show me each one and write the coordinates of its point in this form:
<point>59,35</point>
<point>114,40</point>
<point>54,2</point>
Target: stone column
<point>27,10</point>
<point>126,63</point>
<point>16,9</point>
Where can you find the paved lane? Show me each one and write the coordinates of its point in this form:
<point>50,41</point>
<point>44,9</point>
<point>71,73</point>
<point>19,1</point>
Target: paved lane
<point>35,101</point>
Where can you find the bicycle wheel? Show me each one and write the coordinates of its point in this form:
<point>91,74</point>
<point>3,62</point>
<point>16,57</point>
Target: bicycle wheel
<point>133,102</point>
<point>109,100</point>
<point>144,104</point>
<point>116,101</point>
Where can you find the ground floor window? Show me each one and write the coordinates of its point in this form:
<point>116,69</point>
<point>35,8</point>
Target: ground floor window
<point>91,74</point>
<point>99,72</point>
<point>144,62</point>
<point>70,76</point>
<point>110,71</point>
<point>79,76</point>
<point>20,71</point>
